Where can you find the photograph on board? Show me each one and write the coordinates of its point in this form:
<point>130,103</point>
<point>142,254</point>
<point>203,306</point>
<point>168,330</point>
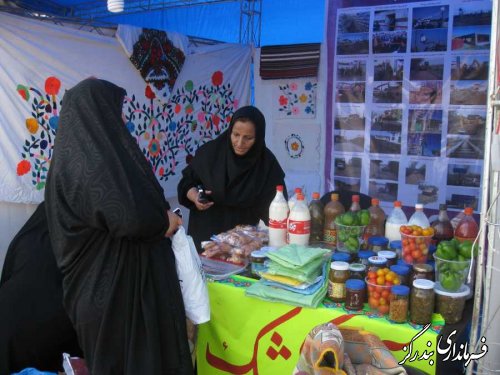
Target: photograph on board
<point>425,121</point>
<point>470,67</point>
<point>429,40</point>
<point>460,146</point>
<point>388,119</point>
<point>389,42</point>
<point>426,92</point>
<point>468,92</point>
<point>464,175</point>
<point>427,68</point>
<point>458,198</point>
<point>424,144</point>
<point>347,183</point>
<point>415,172</point>
<point>384,169</point>
<point>388,92</point>
<point>351,70</point>
<point>434,17</point>
<point>474,13</point>
<point>390,20</point>
<point>352,44</point>
<point>385,142</point>
<point>467,121</point>
<point>471,38</point>
<point>384,191</point>
<point>350,92</point>
<point>349,117</point>
<point>347,166</point>
<point>354,22</point>
<point>388,69</point>
<point>348,141</point>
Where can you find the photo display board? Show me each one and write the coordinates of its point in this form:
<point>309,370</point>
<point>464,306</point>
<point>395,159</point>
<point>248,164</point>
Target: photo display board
<point>409,88</point>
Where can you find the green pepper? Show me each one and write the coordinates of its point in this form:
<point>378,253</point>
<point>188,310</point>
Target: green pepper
<point>446,250</point>
<point>465,249</point>
<point>364,217</point>
<point>347,218</point>
<point>450,281</point>
<point>352,244</point>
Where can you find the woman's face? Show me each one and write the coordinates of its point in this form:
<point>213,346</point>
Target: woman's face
<point>242,137</point>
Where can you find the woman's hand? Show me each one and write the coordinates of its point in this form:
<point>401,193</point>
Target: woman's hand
<point>174,223</point>
<point>193,195</point>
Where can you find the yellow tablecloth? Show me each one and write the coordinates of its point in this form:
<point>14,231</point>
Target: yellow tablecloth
<point>250,336</point>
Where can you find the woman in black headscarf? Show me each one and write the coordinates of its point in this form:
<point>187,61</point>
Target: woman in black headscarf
<point>240,174</point>
<point>108,221</point>
<point>34,328</point>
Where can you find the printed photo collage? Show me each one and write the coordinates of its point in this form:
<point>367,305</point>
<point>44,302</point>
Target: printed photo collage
<point>410,102</point>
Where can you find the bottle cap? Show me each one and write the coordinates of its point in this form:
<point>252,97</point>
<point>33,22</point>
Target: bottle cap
<point>357,267</point>
<point>315,195</point>
<point>375,202</point>
<point>400,290</point>
<point>423,284</point>
<point>298,190</point>
<point>400,270</point>
<point>387,254</point>
<point>422,267</point>
<point>279,187</point>
<point>377,261</point>
<point>378,241</point>
<point>341,257</point>
<point>365,254</point>
<point>355,198</point>
<point>396,244</point>
<point>419,206</point>
<point>339,266</point>
<point>355,284</point>
<point>397,204</point>
<point>468,211</point>
<point>443,206</point>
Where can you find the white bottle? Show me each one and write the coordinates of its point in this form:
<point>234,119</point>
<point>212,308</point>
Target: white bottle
<point>293,199</point>
<point>394,221</point>
<point>419,218</point>
<point>278,215</point>
<point>299,223</point>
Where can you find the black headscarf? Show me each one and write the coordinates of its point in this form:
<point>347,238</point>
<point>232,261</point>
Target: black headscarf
<point>107,219</point>
<point>238,180</point>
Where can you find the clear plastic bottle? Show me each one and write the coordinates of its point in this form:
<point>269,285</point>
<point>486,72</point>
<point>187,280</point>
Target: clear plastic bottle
<point>377,220</point>
<point>443,230</point>
<point>278,215</point>
<point>467,228</point>
<point>299,223</point>
<point>355,207</point>
<point>293,199</point>
<point>331,211</point>
<point>419,218</point>
<point>396,218</point>
<point>316,209</point>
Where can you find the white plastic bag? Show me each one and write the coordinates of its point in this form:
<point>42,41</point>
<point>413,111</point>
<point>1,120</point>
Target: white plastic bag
<point>191,277</point>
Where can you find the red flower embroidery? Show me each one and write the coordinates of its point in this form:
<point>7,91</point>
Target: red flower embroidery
<point>52,85</point>
<point>162,171</point>
<point>149,93</point>
<point>23,167</point>
<point>177,108</point>
<point>283,100</point>
<point>217,78</point>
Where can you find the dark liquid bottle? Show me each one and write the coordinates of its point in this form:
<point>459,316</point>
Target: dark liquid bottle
<point>443,230</point>
<point>316,209</point>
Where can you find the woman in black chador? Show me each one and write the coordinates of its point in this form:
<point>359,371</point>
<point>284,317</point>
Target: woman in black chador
<point>109,223</point>
<point>240,174</point>
<point>34,328</point>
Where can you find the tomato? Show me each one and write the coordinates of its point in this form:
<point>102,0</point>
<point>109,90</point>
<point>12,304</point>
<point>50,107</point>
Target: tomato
<point>380,280</point>
<point>396,281</point>
<point>373,302</point>
<point>375,295</point>
<point>382,301</point>
<point>408,259</point>
<point>385,294</point>
<point>416,254</point>
<point>372,275</point>
<point>383,309</point>
<point>380,272</point>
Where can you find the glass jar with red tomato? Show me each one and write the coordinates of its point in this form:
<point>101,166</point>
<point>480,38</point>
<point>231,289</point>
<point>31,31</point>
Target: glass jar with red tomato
<point>379,285</point>
<point>415,242</point>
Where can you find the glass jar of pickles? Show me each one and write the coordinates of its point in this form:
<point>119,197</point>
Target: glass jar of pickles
<point>339,274</point>
<point>355,294</point>
<point>389,255</point>
<point>398,309</point>
<point>375,263</point>
<point>422,271</point>
<point>377,243</point>
<point>422,301</point>
<point>357,271</point>
<point>364,255</point>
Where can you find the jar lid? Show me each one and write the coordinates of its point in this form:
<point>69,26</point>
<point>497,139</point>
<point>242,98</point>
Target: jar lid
<point>400,269</point>
<point>462,292</point>
<point>365,254</point>
<point>377,261</point>
<point>401,262</point>
<point>400,290</point>
<point>378,241</point>
<point>423,284</point>
<point>355,284</point>
<point>422,267</point>
<point>258,254</point>
<point>341,257</point>
<point>432,249</point>
<point>357,267</point>
<point>339,266</point>
<point>387,254</point>
<point>396,244</point>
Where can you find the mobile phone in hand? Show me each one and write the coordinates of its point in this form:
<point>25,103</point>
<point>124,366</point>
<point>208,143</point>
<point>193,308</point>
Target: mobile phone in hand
<point>202,196</point>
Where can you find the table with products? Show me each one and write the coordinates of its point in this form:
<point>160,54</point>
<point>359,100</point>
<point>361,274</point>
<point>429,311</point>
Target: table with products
<point>251,336</point>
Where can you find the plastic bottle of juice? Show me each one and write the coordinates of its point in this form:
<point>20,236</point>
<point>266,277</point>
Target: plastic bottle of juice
<point>299,223</point>
<point>355,207</point>
<point>278,215</point>
<point>443,230</point>
<point>316,209</point>
<point>293,199</point>
<point>377,220</point>
<point>396,218</point>
<point>467,228</point>
<point>419,218</point>
<point>331,211</point>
